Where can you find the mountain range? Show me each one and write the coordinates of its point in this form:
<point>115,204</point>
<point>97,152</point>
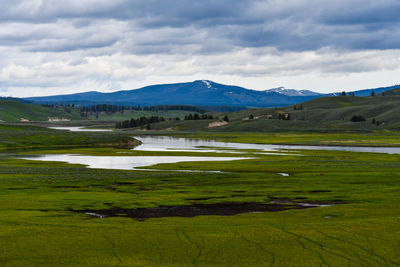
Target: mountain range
<point>198,93</point>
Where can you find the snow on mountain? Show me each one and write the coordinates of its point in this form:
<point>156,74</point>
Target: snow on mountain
<point>292,92</point>
<point>207,83</point>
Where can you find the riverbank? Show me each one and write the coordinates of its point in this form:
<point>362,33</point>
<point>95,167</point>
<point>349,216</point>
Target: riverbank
<point>373,139</point>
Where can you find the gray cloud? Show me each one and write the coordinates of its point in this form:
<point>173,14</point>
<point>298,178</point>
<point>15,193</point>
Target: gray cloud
<point>287,25</point>
<point>81,43</point>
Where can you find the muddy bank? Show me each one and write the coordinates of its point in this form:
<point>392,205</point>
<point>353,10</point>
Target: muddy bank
<point>223,209</point>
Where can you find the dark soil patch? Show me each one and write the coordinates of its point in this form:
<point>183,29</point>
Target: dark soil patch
<point>223,209</point>
<point>237,195</point>
<point>204,198</point>
<point>123,183</point>
<point>65,186</point>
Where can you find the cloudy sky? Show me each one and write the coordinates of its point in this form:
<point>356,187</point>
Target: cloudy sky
<point>52,46</point>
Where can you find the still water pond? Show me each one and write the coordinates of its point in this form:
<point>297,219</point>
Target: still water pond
<point>79,129</point>
<point>124,162</point>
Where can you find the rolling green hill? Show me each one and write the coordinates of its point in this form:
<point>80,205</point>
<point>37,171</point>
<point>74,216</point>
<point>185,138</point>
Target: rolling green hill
<point>13,111</point>
<point>325,114</point>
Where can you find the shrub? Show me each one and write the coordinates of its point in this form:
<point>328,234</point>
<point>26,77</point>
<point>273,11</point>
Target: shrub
<point>357,118</point>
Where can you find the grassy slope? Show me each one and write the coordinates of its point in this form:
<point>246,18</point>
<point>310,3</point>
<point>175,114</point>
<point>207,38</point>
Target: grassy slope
<point>327,114</point>
<point>37,227</point>
<point>12,111</point>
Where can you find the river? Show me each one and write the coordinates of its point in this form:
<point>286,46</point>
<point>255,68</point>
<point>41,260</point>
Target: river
<point>173,144</point>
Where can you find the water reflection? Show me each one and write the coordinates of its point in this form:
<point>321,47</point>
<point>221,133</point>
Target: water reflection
<point>167,143</point>
<point>78,129</point>
<point>124,162</point>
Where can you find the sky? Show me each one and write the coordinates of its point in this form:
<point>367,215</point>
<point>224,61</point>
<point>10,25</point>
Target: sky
<point>58,47</point>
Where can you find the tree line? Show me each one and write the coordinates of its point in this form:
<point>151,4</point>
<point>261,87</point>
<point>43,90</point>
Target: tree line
<point>198,117</point>
<point>146,121</point>
<point>140,122</point>
<point>86,110</point>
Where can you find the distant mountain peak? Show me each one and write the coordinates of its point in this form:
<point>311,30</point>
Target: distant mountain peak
<point>292,92</point>
<point>199,92</point>
<point>207,83</point>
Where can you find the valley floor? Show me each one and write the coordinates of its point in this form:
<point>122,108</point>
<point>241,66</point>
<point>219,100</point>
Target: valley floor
<point>42,223</point>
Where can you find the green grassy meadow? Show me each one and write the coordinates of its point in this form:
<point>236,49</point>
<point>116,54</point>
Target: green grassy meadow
<point>38,226</point>
<point>29,136</point>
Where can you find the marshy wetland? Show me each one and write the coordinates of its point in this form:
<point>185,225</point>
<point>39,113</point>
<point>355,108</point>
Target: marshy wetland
<point>336,208</point>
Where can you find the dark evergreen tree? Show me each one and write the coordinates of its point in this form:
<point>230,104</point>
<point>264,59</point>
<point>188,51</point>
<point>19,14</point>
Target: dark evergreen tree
<point>357,118</point>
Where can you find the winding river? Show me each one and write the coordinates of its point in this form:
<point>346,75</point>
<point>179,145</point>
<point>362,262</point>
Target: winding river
<point>173,144</point>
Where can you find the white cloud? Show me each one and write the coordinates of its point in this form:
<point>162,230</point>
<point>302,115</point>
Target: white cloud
<point>261,68</point>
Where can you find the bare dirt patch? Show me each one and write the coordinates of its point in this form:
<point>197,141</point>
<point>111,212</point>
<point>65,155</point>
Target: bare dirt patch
<point>217,124</point>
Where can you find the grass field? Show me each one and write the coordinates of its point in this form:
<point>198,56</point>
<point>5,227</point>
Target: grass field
<point>39,227</point>
<point>28,136</point>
